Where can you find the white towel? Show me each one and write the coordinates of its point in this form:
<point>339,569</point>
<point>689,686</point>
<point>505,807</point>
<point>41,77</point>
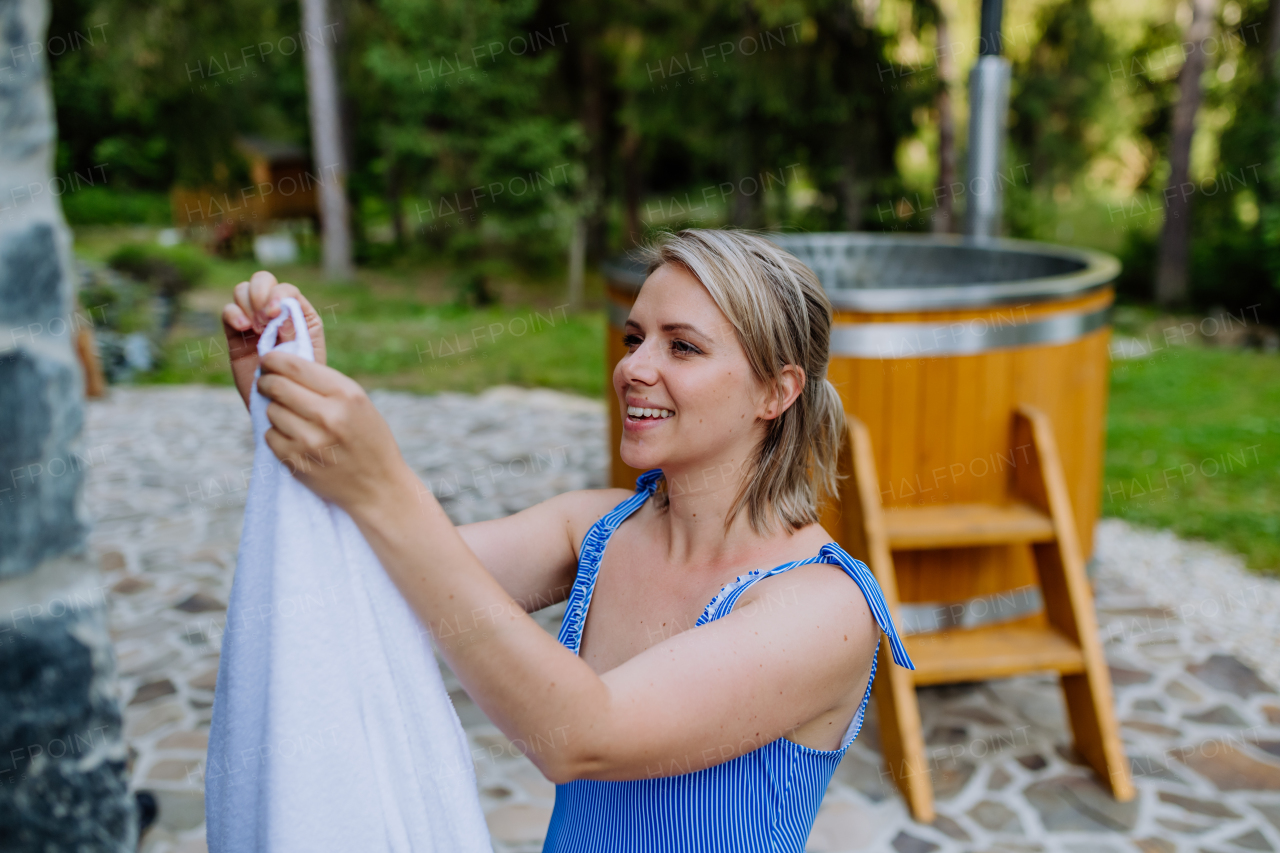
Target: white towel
<point>332,730</point>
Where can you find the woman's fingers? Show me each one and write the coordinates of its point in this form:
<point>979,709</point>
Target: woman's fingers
<point>252,297</point>
<point>273,308</point>
<point>241,339</point>
<point>261,284</point>
<point>322,380</point>
<point>319,414</point>
<point>296,457</point>
<point>242,347</point>
<point>233,317</point>
<point>315,325</point>
<point>241,296</point>
<point>309,426</point>
<point>297,428</point>
<point>281,445</point>
<point>294,395</point>
<point>258,301</point>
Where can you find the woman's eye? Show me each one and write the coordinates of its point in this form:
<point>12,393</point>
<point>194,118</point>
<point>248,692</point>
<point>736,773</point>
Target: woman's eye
<point>631,341</point>
<point>684,348</point>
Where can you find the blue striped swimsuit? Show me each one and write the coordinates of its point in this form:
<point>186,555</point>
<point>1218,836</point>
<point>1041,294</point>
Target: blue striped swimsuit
<point>763,800</point>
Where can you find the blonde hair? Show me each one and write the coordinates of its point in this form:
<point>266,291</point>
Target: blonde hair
<point>781,316</point>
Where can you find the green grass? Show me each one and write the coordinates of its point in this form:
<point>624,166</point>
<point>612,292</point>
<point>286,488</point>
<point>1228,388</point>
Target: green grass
<point>468,352</point>
<point>395,327</point>
<point>1193,444</point>
<point>430,349</point>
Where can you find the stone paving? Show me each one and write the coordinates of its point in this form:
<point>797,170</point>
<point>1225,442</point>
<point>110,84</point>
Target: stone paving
<point>1187,631</point>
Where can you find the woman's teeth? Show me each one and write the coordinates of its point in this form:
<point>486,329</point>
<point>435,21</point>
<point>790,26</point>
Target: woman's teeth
<point>637,412</point>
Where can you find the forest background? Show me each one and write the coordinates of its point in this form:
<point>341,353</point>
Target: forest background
<point>630,116</point>
<point>486,144</point>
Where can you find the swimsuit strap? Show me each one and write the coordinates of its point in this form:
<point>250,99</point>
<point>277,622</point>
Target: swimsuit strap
<point>856,569</point>
<point>597,538</point>
<point>593,545</point>
<point>832,553</point>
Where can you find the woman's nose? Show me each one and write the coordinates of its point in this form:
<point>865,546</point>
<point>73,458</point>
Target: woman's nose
<point>640,366</point>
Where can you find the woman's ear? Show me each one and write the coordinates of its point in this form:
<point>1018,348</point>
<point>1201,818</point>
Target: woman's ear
<point>786,389</point>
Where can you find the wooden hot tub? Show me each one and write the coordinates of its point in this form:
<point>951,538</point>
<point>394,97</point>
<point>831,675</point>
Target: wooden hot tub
<point>936,341</point>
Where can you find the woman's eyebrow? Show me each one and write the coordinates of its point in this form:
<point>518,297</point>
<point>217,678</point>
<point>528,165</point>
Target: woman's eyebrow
<point>670,327</point>
<point>683,327</point>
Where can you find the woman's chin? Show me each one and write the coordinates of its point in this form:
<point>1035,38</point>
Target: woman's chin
<point>641,459</point>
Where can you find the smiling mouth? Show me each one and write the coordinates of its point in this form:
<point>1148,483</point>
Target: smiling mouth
<point>652,414</point>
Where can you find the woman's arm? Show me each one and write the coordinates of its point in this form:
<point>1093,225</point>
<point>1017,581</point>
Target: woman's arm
<point>698,699</point>
<point>534,553</point>
<point>785,656</point>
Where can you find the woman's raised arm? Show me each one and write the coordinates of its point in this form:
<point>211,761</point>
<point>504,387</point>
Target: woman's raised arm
<point>695,700</point>
<point>534,553</point>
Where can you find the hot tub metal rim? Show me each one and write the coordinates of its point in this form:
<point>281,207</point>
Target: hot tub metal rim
<point>890,340</point>
<point>1098,269</point>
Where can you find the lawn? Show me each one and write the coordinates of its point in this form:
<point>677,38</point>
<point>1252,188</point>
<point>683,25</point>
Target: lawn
<point>1193,444</point>
<point>403,342</point>
<point>396,327</point>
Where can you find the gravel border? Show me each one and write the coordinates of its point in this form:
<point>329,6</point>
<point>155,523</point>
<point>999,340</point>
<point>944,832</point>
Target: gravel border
<point>1198,583</point>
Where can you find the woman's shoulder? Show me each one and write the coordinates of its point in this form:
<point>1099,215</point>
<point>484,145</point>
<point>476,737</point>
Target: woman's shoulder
<point>592,502</point>
<point>825,585</point>
<point>584,507</point>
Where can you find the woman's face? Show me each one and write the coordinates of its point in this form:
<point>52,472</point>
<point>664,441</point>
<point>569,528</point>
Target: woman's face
<point>690,402</point>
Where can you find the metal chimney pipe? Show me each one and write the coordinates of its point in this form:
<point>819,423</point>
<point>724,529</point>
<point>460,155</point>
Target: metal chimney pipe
<point>992,14</point>
<point>988,122</point>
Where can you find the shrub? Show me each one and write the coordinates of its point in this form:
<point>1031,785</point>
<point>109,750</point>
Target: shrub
<point>106,206</point>
<point>171,271</point>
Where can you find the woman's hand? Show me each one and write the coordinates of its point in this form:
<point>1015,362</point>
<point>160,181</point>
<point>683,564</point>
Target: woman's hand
<point>325,429</point>
<point>257,302</point>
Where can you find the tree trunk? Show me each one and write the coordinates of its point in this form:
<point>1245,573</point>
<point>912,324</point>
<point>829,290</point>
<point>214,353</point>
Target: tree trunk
<point>395,200</point>
<point>577,262</point>
<point>1273,38</point>
<point>318,35</point>
<point>851,189</point>
<point>593,122</point>
<point>944,219</point>
<point>746,208</point>
<point>1175,249</point>
<point>62,757</point>
<point>630,155</point>
<point>1273,53</point>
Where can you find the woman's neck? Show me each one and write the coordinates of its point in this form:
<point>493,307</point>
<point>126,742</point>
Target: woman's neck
<point>699,502</point>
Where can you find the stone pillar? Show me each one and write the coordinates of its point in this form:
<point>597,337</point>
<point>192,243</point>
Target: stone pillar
<point>62,758</point>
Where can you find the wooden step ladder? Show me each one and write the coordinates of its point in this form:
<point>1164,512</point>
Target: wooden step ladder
<point>1038,514</point>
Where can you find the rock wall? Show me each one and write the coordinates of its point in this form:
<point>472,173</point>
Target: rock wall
<point>63,784</point>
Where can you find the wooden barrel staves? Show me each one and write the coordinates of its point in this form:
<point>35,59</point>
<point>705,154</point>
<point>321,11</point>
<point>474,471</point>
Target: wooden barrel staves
<point>936,341</point>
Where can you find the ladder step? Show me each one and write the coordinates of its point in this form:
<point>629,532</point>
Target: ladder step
<point>964,525</point>
<point>993,651</point>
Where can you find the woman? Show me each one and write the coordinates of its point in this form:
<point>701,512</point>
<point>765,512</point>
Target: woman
<point>666,722</point>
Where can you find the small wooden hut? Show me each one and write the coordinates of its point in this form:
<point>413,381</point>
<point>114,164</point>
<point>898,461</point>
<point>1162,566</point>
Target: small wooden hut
<point>281,185</point>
